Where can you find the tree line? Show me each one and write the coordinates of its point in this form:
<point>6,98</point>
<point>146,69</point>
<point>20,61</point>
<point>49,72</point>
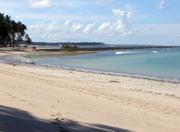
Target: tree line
<point>12,33</point>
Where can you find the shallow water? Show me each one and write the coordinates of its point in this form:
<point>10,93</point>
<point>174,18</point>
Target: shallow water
<point>157,63</point>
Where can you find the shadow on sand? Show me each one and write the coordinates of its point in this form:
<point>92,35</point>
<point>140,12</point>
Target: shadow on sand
<point>15,120</point>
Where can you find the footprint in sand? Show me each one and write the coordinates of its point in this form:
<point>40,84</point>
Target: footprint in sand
<point>56,115</point>
<point>22,100</point>
<point>52,106</point>
<point>170,95</point>
<point>14,97</point>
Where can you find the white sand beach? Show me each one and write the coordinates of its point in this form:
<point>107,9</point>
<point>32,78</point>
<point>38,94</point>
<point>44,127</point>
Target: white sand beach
<point>124,103</point>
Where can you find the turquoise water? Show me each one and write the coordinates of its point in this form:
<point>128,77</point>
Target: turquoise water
<point>156,63</point>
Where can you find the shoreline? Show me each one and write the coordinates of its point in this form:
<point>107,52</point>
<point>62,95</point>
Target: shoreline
<point>105,101</point>
<point>112,73</point>
<point>21,59</point>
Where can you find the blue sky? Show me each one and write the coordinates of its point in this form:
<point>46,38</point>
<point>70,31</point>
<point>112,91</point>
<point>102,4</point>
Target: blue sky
<point>110,21</point>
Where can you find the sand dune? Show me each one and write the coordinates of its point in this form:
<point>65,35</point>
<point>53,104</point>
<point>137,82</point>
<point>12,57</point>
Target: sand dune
<point>131,104</point>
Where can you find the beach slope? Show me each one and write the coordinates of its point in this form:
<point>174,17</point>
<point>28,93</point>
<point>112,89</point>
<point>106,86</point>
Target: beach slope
<point>111,103</point>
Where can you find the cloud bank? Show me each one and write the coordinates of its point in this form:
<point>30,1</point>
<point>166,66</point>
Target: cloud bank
<point>120,25</point>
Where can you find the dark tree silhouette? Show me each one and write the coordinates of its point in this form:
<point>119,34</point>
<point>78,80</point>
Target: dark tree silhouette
<point>12,33</point>
<point>27,38</point>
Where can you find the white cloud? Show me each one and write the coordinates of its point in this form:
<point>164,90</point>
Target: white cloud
<point>122,13</point>
<point>161,4</point>
<point>105,27</point>
<point>67,24</point>
<point>129,15</point>
<point>89,28</point>
<point>74,27</point>
<point>40,3</point>
<point>77,27</point>
<point>120,26</point>
<point>118,12</point>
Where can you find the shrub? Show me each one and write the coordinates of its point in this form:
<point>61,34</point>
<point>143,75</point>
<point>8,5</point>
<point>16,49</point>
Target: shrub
<point>69,47</point>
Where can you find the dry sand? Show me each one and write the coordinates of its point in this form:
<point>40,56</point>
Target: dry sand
<point>102,101</point>
<point>129,103</point>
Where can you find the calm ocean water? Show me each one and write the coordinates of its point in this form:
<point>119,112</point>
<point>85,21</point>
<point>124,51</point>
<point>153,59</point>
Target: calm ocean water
<point>154,63</point>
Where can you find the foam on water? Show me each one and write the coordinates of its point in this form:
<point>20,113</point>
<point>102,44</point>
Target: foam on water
<point>155,52</point>
<point>124,52</point>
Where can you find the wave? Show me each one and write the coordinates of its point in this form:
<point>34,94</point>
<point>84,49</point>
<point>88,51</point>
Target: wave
<point>124,52</point>
<point>155,52</point>
<point>130,52</point>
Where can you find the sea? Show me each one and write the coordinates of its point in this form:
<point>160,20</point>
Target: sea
<point>155,63</point>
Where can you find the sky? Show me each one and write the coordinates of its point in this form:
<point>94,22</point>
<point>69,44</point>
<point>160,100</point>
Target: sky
<point>155,22</point>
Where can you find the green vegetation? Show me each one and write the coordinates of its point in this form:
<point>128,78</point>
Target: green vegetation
<point>69,47</point>
<point>12,33</point>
